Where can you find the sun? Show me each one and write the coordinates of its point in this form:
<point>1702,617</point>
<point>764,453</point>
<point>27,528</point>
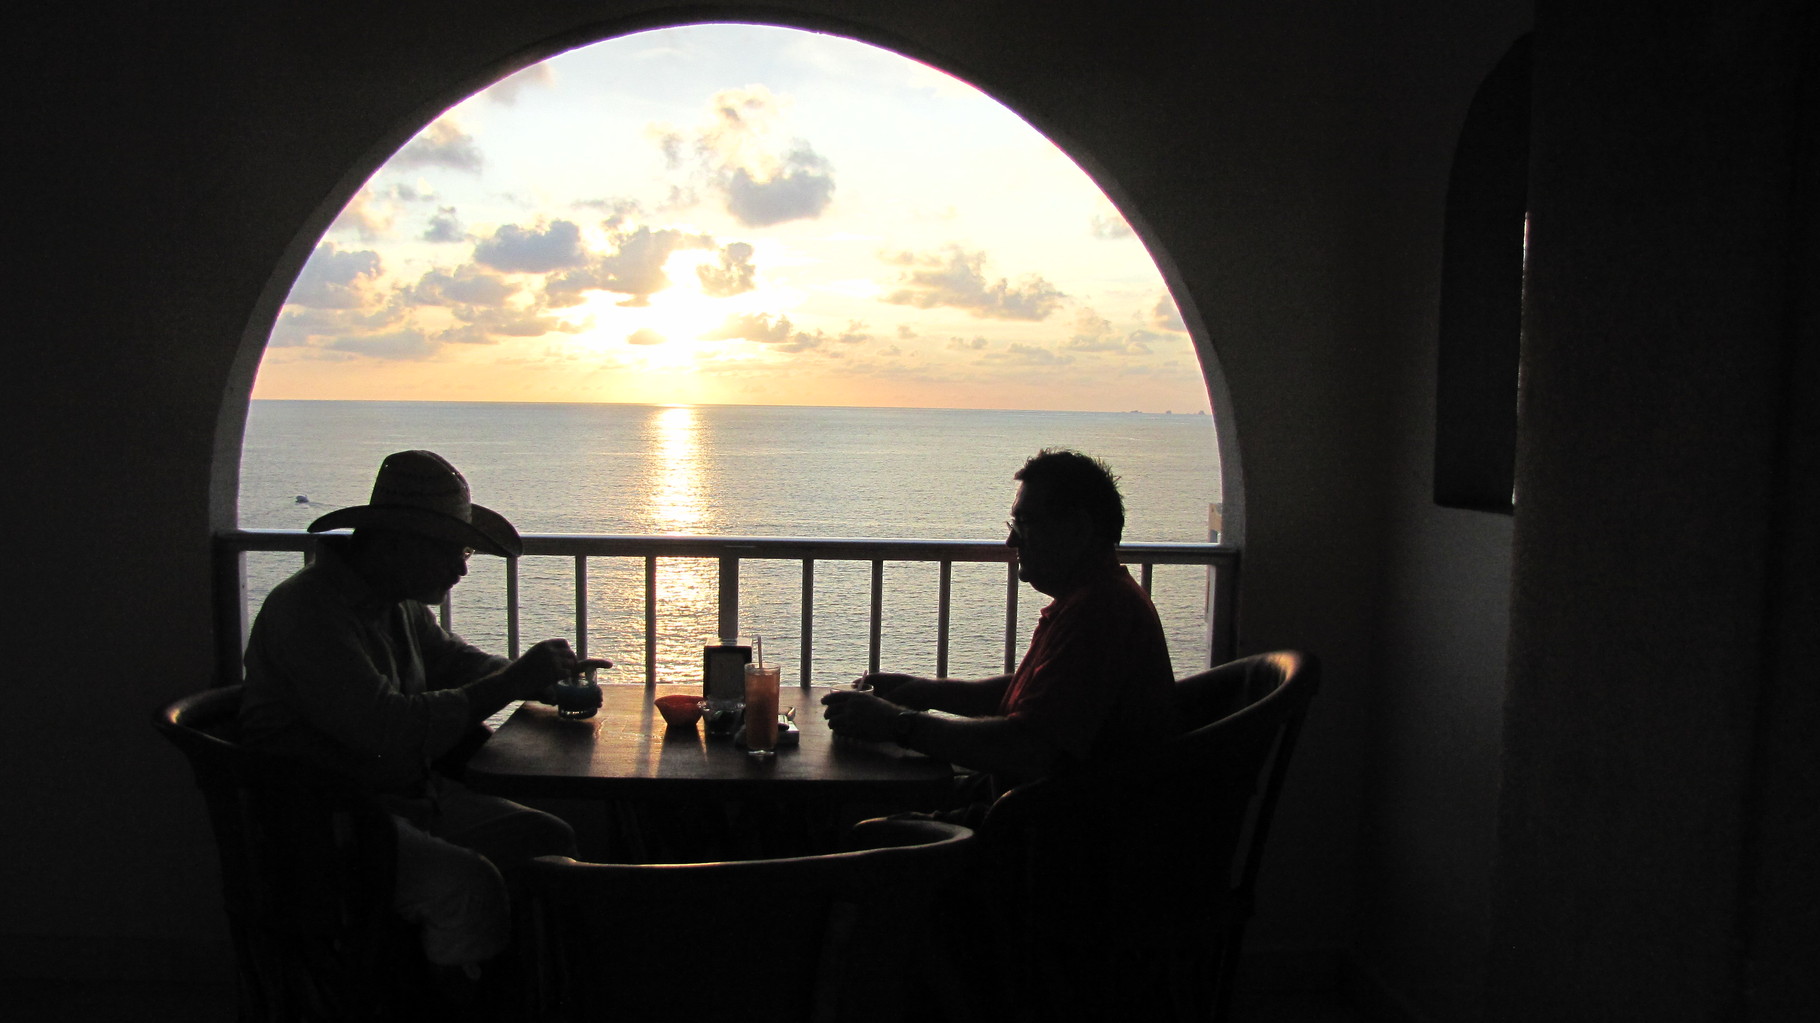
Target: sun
<point>680,314</point>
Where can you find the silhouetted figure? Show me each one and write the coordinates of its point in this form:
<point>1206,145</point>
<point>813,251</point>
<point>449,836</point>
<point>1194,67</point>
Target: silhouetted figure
<point>1096,679</point>
<point>347,668</point>
<point>1095,683</point>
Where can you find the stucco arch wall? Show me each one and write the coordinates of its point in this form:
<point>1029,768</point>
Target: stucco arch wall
<point>1263,251</point>
<point>1288,158</point>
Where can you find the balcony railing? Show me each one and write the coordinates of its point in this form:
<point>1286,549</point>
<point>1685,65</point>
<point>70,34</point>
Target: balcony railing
<point>1222,564</point>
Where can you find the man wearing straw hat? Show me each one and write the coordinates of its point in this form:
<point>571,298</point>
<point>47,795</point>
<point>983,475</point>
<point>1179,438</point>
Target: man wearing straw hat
<point>347,668</point>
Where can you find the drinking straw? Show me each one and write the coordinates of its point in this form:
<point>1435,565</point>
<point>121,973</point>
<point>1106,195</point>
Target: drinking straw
<point>759,642</point>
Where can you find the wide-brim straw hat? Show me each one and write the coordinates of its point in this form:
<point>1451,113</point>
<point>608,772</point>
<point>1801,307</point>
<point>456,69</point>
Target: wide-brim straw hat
<point>419,491</point>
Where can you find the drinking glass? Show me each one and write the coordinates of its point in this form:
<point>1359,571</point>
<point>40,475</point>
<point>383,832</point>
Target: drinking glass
<point>761,709</point>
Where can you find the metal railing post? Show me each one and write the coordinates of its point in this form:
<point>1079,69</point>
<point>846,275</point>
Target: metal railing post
<point>1010,617</point>
<point>808,618</point>
<point>729,598</point>
<point>650,619</point>
<point>512,637</point>
<point>943,602</point>
<point>877,616</point>
<point>581,605</point>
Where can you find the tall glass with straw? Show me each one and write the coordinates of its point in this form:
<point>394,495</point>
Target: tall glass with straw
<point>761,704</point>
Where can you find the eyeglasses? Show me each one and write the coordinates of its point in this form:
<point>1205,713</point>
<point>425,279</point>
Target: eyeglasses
<point>445,549</point>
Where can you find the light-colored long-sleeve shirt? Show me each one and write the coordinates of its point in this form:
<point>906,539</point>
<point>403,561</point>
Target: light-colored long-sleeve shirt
<point>353,683</point>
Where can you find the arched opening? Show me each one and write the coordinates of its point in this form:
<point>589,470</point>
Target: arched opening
<point>770,245</point>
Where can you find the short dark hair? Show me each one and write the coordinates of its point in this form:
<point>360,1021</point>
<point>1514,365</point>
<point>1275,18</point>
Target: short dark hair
<point>1071,482</point>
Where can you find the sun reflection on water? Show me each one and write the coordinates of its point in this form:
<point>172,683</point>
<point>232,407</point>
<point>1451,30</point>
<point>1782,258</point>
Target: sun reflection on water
<point>687,588</point>
<point>676,499</point>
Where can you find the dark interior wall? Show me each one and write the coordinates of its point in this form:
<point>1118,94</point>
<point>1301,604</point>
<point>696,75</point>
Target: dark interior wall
<point>1287,158</point>
<point>1656,746</point>
<point>1442,607</point>
<point>1782,844</point>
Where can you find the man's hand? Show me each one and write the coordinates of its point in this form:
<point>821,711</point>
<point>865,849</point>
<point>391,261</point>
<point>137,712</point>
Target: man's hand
<point>903,690</point>
<point>549,662</point>
<point>859,715</point>
<point>538,674</point>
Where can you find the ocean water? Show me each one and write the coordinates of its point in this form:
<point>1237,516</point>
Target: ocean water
<point>740,471</point>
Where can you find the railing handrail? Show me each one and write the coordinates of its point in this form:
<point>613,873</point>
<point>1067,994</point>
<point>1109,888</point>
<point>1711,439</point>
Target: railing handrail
<point>1221,561</point>
<point>782,548</point>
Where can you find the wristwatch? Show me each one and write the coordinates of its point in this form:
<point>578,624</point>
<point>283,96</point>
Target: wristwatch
<point>904,725</point>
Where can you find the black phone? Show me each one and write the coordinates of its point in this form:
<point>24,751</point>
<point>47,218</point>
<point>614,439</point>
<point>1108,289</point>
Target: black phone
<point>723,672</point>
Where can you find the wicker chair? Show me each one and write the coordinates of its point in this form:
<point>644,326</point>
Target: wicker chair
<point>1123,890</point>
<point>307,866</point>
<point>805,939</point>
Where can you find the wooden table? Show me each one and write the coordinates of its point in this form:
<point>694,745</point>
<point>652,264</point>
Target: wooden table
<point>655,776</point>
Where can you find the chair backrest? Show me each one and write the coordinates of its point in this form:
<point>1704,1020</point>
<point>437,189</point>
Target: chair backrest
<point>1208,696</point>
<point>1155,856</point>
<point>807,938</point>
<point>307,864</point>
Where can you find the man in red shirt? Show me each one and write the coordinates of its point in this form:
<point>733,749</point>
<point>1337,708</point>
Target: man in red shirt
<point>1096,680</point>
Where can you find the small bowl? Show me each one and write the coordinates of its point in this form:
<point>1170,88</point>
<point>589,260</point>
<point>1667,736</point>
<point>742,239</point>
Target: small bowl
<point>680,710</point>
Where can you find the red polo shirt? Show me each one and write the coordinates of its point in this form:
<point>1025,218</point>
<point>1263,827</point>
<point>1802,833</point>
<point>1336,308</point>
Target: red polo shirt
<point>1097,680</point>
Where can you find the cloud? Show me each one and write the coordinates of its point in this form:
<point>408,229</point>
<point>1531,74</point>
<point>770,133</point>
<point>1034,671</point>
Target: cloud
<point>442,144</point>
<point>1109,226</point>
<point>1138,342</point>
<point>681,197</point>
<point>465,285</point>
<point>1095,333</point>
<point>297,328</point>
<point>972,344</point>
<point>487,305</point>
<point>779,335</point>
<point>802,342</point>
<point>1166,316</point>
<point>760,182</point>
<point>753,327</point>
<point>340,306</point>
<point>334,278</point>
<point>487,325</point>
<point>1019,354</point>
<point>444,227</point>
<point>541,249</point>
<point>618,211</point>
<point>734,275</point>
<point>956,278</point>
<point>364,216</point>
<point>302,326</point>
<point>406,191</point>
<point>505,91</point>
<point>635,268</point>
<point>645,336</point>
<point>799,189</point>
<point>399,345</point>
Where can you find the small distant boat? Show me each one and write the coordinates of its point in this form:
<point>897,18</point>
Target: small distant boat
<point>301,499</point>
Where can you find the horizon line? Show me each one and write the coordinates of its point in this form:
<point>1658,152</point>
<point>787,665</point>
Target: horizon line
<point>733,404</point>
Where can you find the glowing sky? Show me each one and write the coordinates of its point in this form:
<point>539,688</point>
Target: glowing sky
<point>733,214</point>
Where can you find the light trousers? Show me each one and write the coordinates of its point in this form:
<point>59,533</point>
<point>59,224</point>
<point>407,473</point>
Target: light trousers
<point>459,852</point>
